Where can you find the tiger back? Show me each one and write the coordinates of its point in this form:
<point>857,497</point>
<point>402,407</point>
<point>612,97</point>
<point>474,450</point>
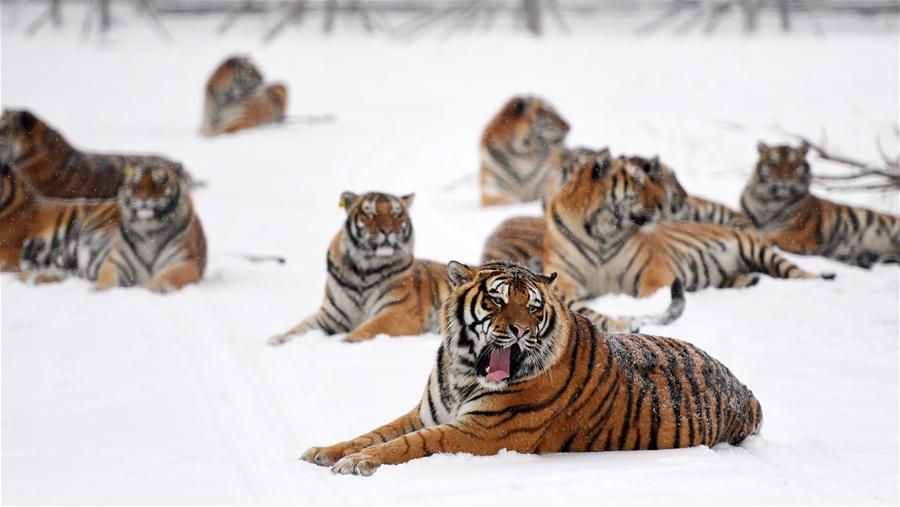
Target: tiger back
<point>149,237</point>
<point>517,370</point>
<point>604,235</point>
<point>779,202</point>
<point>375,285</point>
<point>515,147</point>
<point>58,170</point>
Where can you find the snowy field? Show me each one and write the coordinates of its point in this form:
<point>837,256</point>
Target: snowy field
<point>131,397</point>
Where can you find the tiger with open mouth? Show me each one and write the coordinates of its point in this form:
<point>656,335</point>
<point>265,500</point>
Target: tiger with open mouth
<point>518,370</point>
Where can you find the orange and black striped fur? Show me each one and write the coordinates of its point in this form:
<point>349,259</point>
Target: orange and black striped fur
<point>148,237</point>
<point>521,239</point>
<point>604,235</point>
<point>517,370</point>
<point>375,285</point>
<point>56,169</point>
<point>778,201</point>
<point>237,99</point>
<point>515,148</point>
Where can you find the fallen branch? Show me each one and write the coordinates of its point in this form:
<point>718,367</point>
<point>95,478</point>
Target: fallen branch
<point>890,172</point>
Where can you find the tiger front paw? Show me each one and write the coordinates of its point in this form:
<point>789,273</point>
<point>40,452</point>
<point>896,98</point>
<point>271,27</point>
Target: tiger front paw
<point>323,456</point>
<point>280,339</point>
<point>356,464</point>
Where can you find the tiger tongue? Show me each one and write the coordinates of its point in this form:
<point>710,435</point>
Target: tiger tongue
<point>499,368</point>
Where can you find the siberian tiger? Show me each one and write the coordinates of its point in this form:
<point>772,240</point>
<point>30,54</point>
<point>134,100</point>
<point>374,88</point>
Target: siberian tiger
<point>57,169</point>
<point>514,150</point>
<point>375,285</point>
<point>517,370</point>
<point>779,203</point>
<point>149,237</point>
<point>604,236</point>
<point>236,98</point>
<point>265,105</point>
<point>561,165</point>
<point>521,239</point>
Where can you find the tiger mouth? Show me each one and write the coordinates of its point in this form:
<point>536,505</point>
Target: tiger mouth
<point>497,364</point>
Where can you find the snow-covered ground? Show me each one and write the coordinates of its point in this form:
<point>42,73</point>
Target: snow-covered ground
<point>131,397</point>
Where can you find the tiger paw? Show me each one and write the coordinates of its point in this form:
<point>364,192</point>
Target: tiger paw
<point>828,276</point>
<point>356,464</point>
<point>355,337</point>
<point>322,456</point>
<point>280,339</point>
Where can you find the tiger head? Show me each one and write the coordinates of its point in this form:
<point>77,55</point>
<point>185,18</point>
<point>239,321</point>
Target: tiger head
<point>150,194</point>
<point>609,197</point>
<point>782,173</point>
<point>564,162</point>
<point>503,321</point>
<point>234,80</point>
<point>20,132</point>
<point>378,226</point>
<point>661,174</point>
<point>529,124</point>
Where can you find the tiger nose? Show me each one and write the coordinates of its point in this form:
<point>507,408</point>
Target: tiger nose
<point>518,331</point>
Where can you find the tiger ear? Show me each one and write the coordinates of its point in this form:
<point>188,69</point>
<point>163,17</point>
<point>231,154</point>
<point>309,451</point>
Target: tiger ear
<point>516,106</point>
<point>25,119</point>
<point>547,279</point>
<point>407,199</point>
<point>129,171</point>
<point>347,200</point>
<point>652,168</point>
<point>459,273</point>
<point>762,148</point>
<point>803,149</point>
<point>604,152</point>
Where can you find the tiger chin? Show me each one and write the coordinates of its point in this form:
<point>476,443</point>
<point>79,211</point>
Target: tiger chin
<point>56,169</point>
<point>779,202</point>
<point>518,370</point>
<point>375,285</point>
<point>149,237</point>
<point>237,98</point>
<point>515,148</point>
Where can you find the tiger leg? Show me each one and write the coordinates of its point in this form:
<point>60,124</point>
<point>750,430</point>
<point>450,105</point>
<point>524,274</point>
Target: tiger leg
<point>397,320</point>
<point>445,438</point>
<point>107,276</point>
<point>741,280</point>
<point>327,456</point>
<point>762,258</point>
<point>490,194</point>
<point>317,320</point>
<point>176,277</point>
<point>42,276</point>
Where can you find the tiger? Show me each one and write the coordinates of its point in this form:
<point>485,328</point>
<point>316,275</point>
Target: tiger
<point>265,105</point>
<point>517,370</point>
<point>237,99</point>
<point>149,236</point>
<point>375,285</point>
<point>521,239</point>
<point>515,147</point>
<point>56,169</point>
<point>778,201</point>
<point>604,235</point>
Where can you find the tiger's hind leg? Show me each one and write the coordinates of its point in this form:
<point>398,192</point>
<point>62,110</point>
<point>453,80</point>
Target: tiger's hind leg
<point>327,456</point>
<point>176,277</point>
<point>395,321</point>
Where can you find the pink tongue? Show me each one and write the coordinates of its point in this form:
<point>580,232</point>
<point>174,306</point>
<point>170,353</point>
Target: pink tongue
<point>499,368</point>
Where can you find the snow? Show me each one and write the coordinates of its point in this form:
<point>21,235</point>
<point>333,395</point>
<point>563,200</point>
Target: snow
<point>131,397</point>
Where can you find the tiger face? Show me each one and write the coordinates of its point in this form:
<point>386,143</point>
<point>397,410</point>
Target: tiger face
<point>612,196</point>
<point>782,173</point>
<point>18,128</point>
<point>505,317</point>
<point>564,162</point>
<point>536,125</point>
<point>676,195</point>
<point>378,225</point>
<point>149,194</point>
